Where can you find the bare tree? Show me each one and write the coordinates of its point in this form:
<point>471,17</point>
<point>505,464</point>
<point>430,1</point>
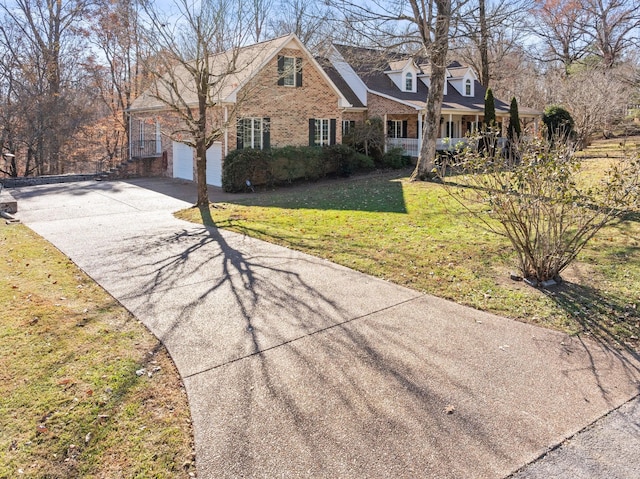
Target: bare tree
<point>117,76</point>
<point>419,23</point>
<point>308,19</point>
<point>596,99</point>
<point>192,62</point>
<point>486,34</point>
<point>560,24</point>
<point>614,27</point>
<point>258,12</point>
<point>44,42</point>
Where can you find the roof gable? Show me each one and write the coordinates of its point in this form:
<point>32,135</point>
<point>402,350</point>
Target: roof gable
<point>375,70</point>
<point>236,67</point>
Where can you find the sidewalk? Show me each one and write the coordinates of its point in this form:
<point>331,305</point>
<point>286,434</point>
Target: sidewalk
<point>297,367</point>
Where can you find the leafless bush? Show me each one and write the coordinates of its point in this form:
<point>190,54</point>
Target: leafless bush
<point>536,197</point>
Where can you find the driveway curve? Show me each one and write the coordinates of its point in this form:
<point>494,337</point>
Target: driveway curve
<point>297,367</point>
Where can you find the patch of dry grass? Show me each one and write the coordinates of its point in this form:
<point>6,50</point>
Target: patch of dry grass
<point>71,403</point>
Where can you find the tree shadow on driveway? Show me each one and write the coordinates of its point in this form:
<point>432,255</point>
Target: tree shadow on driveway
<point>296,366</point>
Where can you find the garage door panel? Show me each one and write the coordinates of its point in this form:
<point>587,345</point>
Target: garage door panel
<point>214,165</point>
<point>182,161</point>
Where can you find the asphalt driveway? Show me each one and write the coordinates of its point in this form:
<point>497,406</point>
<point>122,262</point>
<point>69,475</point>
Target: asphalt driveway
<point>297,367</point>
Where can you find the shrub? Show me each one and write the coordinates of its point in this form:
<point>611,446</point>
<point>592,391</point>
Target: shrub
<point>292,163</point>
<point>368,137</point>
<point>535,199</point>
<point>395,159</point>
<point>289,164</point>
<point>558,121</point>
<point>340,159</point>
<point>242,165</point>
<point>364,162</point>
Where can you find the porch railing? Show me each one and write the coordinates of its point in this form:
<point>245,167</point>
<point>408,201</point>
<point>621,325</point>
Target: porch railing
<point>411,146</point>
<point>146,149</point>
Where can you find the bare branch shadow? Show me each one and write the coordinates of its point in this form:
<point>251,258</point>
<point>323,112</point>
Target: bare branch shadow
<point>610,320</point>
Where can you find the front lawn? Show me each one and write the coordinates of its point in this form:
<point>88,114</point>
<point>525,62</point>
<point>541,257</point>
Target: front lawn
<point>85,390</point>
<point>415,235</point>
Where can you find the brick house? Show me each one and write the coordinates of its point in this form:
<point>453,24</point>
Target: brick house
<point>278,95</point>
<point>394,87</point>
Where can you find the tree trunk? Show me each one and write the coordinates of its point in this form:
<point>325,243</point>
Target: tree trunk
<point>201,172</point>
<point>438,55</point>
<point>201,141</point>
<point>484,49</point>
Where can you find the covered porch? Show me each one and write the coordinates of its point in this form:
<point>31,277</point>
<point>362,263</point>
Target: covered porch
<point>456,130</point>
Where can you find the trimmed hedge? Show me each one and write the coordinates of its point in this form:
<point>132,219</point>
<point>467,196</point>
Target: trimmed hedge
<point>289,164</point>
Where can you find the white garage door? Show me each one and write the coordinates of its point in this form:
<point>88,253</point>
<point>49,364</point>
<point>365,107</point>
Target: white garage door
<point>214,165</point>
<point>182,161</point>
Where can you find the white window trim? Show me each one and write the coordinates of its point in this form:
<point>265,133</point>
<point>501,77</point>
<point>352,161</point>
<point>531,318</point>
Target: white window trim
<point>292,73</point>
<point>396,129</point>
<point>408,77</point>
<point>318,139</point>
<point>259,137</point>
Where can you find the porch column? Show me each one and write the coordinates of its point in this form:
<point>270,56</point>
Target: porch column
<point>226,131</point>
<point>384,125</point>
<point>450,126</point>
<point>477,121</point>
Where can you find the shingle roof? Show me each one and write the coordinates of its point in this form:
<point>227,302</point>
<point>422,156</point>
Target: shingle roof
<point>371,65</point>
<point>339,82</point>
<point>247,61</point>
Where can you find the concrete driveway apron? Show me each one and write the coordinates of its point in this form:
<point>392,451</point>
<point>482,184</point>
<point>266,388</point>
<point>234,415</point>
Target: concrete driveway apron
<point>297,367</point>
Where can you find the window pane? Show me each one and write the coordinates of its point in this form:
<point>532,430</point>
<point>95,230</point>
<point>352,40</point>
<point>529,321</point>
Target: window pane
<point>246,132</point>
<point>289,71</point>
<point>257,133</point>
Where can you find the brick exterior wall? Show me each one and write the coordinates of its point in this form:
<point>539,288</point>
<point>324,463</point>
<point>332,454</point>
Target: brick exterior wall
<point>378,106</point>
<point>289,108</point>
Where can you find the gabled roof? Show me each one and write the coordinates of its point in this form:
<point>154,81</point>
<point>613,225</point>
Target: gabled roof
<point>340,82</point>
<point>373,66</point>
<point>247,62</point>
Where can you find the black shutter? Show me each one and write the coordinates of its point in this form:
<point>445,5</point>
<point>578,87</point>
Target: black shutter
<point>280,70</point>
<point>389,128</point>
<point>312,132</point>
<point>239,142</point>
<point>332,131</point>
<point>298,72</point>
<point>266,133</point>
<point>404,128</point>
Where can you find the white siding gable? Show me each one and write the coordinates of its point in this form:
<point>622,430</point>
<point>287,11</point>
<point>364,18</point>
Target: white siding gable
<point>465,84</point>
<point>349,75</point>
<point>406,77</point>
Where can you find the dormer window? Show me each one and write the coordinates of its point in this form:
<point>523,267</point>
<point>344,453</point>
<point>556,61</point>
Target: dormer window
<point>467,87</point>
<point>408,82</point>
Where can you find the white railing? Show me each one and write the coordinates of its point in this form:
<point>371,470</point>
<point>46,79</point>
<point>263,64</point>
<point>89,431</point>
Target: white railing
<point>451,144</point>
<point>411,146</point>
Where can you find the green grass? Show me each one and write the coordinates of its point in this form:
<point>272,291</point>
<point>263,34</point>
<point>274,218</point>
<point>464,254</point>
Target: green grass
<point>414,234</point>
<point>71,404</point>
